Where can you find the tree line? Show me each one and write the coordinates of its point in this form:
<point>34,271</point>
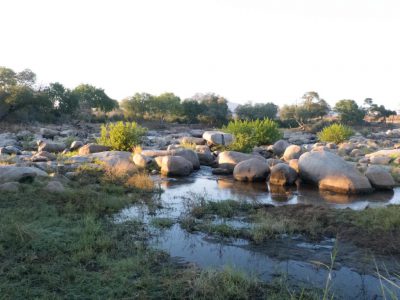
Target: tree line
<point>22,99</point>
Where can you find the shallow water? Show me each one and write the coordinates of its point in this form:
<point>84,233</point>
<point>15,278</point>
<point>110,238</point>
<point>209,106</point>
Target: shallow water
<point>301,262</point>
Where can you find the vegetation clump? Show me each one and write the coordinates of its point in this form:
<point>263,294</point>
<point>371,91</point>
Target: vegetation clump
<point>336,133</point>
<point>121,136</point>
<point>252,133</point>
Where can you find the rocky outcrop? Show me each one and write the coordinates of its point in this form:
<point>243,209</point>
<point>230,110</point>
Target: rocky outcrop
<point>380,178</point>
<point>330,172</point>
<point>252,169</point>
<point>282,174</point>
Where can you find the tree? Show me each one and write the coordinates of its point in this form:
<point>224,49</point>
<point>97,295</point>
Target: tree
<point>349,112</point>
<point>257,111</point>
<point>216,111</point>
<point>165,105</point>
<point>94,98</point>
<point>192,109</point>
<point>137,107</point>
<point>377,112</point>
<point>64,101</point>
<point>311,107</point>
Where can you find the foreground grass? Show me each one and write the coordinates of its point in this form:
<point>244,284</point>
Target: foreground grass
<point>376,229</point>
<point>55,246</point>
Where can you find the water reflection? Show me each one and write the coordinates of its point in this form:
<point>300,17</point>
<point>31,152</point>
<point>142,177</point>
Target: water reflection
<point>217,188</point>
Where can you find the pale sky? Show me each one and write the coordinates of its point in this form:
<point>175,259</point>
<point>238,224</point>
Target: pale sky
<point>245,50</point>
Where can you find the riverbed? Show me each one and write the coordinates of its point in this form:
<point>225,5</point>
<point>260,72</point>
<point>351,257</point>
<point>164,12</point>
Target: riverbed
<point>355,273</point>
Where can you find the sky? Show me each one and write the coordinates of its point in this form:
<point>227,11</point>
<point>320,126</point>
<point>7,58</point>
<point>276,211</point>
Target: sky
<point>248,50</point>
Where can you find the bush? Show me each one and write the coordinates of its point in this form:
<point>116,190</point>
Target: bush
<point>252,133</point>
<point>318,126</point>
<point>336,133</point>
<point>121,135</point>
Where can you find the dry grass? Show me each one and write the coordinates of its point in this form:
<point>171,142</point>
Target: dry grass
<point>137,150</point>
<point>140,181</point>
<point>119,172</point>
<point>188,145</point>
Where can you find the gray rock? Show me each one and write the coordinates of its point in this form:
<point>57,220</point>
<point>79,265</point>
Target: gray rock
<point>292,152</point>
<point>192,140</point>
<point>92,148</point>
<point>229,159</point>
<point>380,178</point>
<point>189,155</point>
<point>10,150</point>
<point>20,174</point>
<point>330,172</point>
<point>218,138</point>
<point>75,145</point>
<point>176,166</point>
<point>222,171</point>
<point>282,174</point>
<point>251,170</point>
<point>48,133</point>
<point>51,147</point>
<point>380,160</point>
<point>205,156</point>
<point>279,147</point>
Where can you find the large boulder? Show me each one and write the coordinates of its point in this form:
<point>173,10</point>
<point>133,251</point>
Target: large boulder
<point>279,147</point>
<point>48,133</point>
<point>51,147</point>
<point>205,155</point>
<point>175,166</point>
<point>251,170</point>
<point>380,178</point>
<point>229,159</point>
<point>192,140</point>
<point>10,150</point>
<point>292,152</point>
<point>218,138</point>
<point>282,174</point>
<point>75,145</point>
<point>189,155</point>
<point>330,172</point>
<point>92,148</point>
<point>19,174</point>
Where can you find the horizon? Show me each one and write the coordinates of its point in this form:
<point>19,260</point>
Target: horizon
<point>258,51</point>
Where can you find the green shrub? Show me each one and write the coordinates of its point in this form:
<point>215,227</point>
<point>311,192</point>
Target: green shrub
<point>336,133</point>
<point>121,135</point>
<point>252,133</point>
